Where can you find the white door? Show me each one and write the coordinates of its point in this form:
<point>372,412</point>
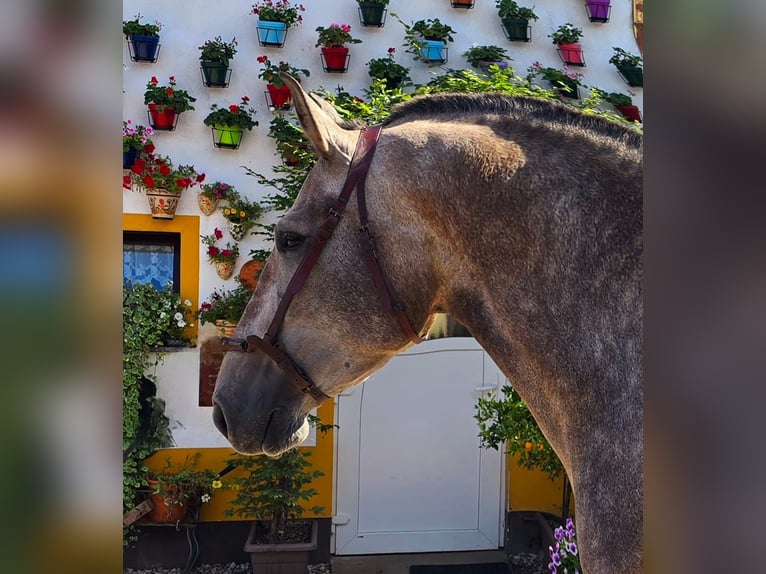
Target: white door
<point>411,476</point>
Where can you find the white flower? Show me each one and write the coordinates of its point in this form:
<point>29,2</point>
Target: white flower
<point>163,315</point>
<point>182,323</point>
<point>178,316</point>
<point>205,498</point>
<point>187,302</point>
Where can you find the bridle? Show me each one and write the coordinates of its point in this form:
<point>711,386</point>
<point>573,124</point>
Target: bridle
<point>355,179</point>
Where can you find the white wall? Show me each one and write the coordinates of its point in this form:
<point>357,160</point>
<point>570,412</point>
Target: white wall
<point>188,24</point>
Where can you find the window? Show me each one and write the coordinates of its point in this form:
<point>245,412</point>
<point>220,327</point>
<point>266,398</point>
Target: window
<point>152,257</point>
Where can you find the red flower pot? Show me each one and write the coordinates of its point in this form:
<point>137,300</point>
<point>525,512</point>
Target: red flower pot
<point>280,96</point>
<point>630,112</point>
<point>162,117</point>
<point>335,59</point>
<point>571,54</point>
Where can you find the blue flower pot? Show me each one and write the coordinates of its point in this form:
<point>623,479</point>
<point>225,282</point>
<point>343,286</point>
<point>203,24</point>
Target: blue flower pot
<point>144,48</point>
<point>129,158</point>
<point>434,51</point>
<point>271,33</point>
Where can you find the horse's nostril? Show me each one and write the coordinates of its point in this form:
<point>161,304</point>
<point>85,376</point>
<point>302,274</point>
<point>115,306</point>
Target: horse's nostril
<point>219,420</point>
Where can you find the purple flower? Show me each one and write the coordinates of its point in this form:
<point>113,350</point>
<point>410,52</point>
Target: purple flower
<point>572,548</point>
<point>559,533</point>
<point>552,568</point>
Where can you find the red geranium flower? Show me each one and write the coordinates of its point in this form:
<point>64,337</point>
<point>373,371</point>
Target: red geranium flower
<point>149,148</point>
<point>164,169</point>
<point>148,181</point>
<point>201,178</point>
<point>169,91</point>
<point>218,233</point>
<point>138,166</point>
<point>126,181</point>
<point>226,253</point>
<point>234,109</point>
<point>154,80</point>
<point>212,251</point>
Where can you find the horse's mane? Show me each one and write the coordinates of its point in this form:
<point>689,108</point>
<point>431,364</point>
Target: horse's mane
<point>523,108</point>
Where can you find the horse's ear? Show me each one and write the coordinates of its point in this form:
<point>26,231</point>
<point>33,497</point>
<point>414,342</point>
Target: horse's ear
<point>318,119</point>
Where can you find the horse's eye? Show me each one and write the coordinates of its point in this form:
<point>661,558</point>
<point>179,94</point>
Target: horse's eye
<point>288,241</point>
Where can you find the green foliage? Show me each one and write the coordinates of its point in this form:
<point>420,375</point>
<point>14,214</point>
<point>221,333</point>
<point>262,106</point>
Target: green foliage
<point>566,34</point>
<point>150,319</point>
<point>614,98</point>
<point>478,54</point>
<point>134,26</point>
<point>416,33</point>
<point>270,72</point>
<point>217,50</point>
<point>225,304</point>
<point>510,9</point>
<point>623,59</point>
<point>184,483</point>
<point>387,69</point>
<point>335,36</point>
<point>274,489</point>
<point>279,11</point>
<point>168,96</point>
<point>508,420</point>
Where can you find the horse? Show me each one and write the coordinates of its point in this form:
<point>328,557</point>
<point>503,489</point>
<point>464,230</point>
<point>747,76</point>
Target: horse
<point>519,217</point>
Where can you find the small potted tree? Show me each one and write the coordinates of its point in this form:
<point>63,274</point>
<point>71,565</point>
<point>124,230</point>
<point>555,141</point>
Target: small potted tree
<point>515,20</point>
<point>566,37</point>
<point>143,39</point>
<point>484,56</point>
<point>278,93</point>
<point>333,40</point>
<point>387,70</point>
<point>273,492</point>
<point>214,62</point>
<point>629,66</point>
<point>372,12</point>
<point>228,124</point>
<point>274,18</point>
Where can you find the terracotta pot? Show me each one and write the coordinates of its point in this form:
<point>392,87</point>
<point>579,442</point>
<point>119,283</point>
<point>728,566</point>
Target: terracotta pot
<point>167,509</point>
<point>226,328</point>
<point>225,269</point>
<point>163,203</point>
<point>206,205</point>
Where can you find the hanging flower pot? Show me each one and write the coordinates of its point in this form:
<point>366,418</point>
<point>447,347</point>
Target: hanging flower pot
<point>128,158</point>
<point>226,328</point>
<point>434,51</point>
<point>162,203</point>
<point>215,74</point>
<point>162,117</point>
<point>250,272</point>
<point>633,75</point>
<point>279,96</point>
<point>484,65</point>
<point>372,14</point>
<point>237,230</point>
<point>467,4</point>
<point>271,33</point>
<point>168,508</point>
<point>225,269</point>
<point>517,29</point>
<point>567,88</point>
<point>598,10</point>
<point>571,54</point>
<point>335,59</point>
<point>630,112</point>
<point>143,48</point>
<point>228,137</point>
<point>206,204</point>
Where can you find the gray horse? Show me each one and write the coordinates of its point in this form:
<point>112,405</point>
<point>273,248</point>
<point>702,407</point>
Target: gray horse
<point>522,219</point>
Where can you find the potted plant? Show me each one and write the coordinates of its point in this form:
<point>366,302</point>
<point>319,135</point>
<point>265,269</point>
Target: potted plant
<point>291,143</point>
<point>427,39</point>
<point>272,493</point>
<point>177,489</point>
<point>388,70</point>
<point>135,142</point>
<point>166,103</point>
<point>214,61</point>
<point>224,258</point>
<point>566,37</point>
<point>372,12</point>
<point>163,182</point>
<point>241,214</point>
<point>598,10</point>
<point>212,193</point>
<point>466,4</point>
<point>623,103</point>
<point>274,18</point>
<point>629,66</point>
<point>515,20</point>
<point>278,92</point>
<point>483,56</point>
<point>333,40</point>
<point>224,308</point>
<point>564,82</point>
<point>143,39</point>
<point>228,124</point>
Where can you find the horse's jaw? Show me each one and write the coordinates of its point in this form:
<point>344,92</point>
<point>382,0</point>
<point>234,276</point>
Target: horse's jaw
<point>256,409</point>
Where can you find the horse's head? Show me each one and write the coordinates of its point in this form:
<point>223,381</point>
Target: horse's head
<point>335,329</point>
